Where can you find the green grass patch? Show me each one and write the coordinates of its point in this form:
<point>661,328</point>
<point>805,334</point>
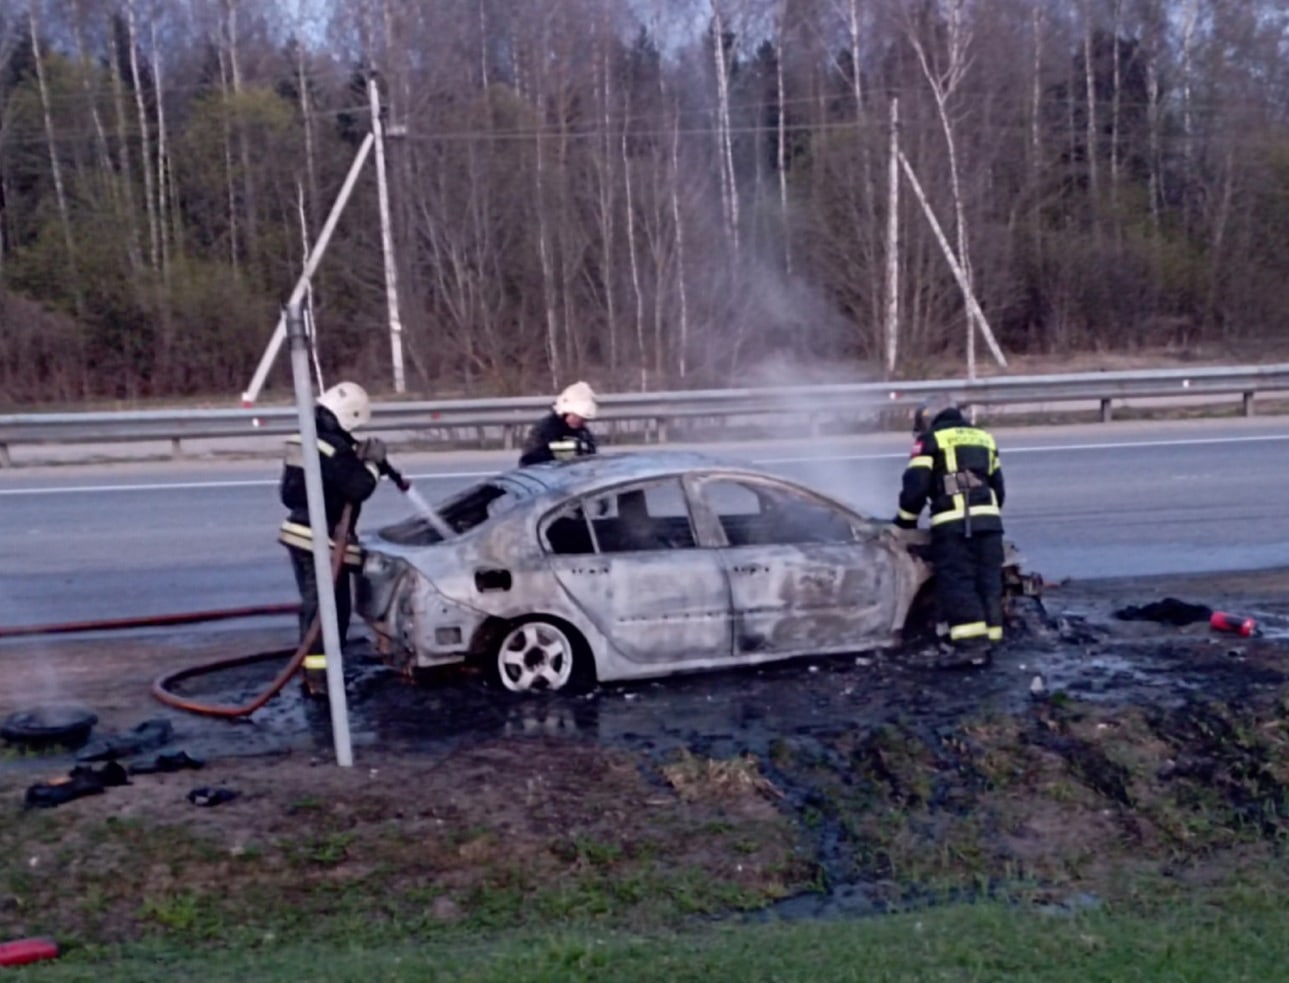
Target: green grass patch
<point>1211,936</point>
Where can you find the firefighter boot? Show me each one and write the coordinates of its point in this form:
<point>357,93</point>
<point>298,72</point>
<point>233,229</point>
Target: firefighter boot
<point>967,653</point>
<point>977,652</point>
<point>315,676</point>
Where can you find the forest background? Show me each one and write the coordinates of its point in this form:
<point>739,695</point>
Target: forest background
<point>647,193</point>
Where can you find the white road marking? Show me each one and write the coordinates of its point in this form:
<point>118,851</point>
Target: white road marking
<point>1006,451</point>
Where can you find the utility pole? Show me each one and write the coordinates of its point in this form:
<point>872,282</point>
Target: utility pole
<point>374,140</point>
<point>893,245</point>
<point>321,540</point>
<point>959,272</point>
<point>387,239</point>
<point>311,262</point>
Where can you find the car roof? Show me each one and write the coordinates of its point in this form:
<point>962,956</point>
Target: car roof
<point>584,474</point>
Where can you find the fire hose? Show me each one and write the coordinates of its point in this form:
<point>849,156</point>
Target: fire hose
<point>161,687</point>
<point>147,620</point>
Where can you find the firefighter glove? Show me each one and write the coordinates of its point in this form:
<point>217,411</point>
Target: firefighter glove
<point>372,451</point>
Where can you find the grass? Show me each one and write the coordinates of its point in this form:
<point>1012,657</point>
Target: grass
<point>1071,843</point>
<point>1214,936</point>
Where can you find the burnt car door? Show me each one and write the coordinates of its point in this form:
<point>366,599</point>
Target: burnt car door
<point>805,576</point>
<point>629,558</point>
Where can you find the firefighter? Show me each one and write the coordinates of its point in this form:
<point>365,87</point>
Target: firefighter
<point>562,433</point>
<point>954,466</point>
<point>350,471</point>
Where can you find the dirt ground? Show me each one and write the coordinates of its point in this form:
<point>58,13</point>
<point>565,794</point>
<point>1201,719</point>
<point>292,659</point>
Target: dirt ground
<point>815,785</point>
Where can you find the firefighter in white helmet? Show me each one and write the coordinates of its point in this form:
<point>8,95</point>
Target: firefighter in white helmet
<point>562,433</point>
<point>350,471</point>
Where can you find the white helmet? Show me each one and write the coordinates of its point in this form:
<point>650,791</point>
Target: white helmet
<point>349,403</point>
<point>578,398</point>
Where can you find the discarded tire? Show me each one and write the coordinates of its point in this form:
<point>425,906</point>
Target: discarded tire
<point>56,726</point>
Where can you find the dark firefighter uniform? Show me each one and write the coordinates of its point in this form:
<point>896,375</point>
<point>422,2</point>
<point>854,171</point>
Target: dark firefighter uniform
<point>346,479</point>
<point>954,466</point>
<point>552,439</point>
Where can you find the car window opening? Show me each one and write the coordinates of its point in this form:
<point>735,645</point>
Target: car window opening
<point>461,513</point>
<point>765,516</point>
<point>640,519</point>
<point>569,535</point>
<point>653,517</point>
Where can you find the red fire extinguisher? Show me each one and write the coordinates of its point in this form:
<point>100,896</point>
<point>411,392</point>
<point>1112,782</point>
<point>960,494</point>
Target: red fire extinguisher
<point>25,951</point>
<point>1234,623</point>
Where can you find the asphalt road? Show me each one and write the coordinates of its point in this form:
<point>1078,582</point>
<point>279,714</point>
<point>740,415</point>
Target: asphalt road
<point>82,542</point>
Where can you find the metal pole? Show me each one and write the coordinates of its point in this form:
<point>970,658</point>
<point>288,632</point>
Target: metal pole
<point>964,283</point>
<point>321,539</point>
<point>310,267</point>
<point>387,241</point>
<point>893,245</point>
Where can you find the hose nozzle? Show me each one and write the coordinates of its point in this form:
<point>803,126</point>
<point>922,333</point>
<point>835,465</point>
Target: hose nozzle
<point>394,475</point>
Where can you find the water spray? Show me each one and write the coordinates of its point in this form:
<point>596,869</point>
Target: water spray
<point>422,507</point>
<point>427,511</point>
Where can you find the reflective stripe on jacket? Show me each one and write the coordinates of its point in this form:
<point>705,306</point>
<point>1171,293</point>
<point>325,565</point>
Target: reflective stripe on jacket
<point>346,480</point>
<point>300,536</point>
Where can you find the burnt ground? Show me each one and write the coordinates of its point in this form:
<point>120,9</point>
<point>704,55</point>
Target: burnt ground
<point>1092,746</point>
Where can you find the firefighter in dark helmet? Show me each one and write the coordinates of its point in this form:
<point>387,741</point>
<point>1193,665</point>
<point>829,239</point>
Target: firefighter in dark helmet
<point>954,467</point>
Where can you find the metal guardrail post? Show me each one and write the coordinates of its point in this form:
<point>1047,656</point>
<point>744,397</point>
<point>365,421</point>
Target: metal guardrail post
<point>1246,404</point>
<point>1106,414</point>
<point>5,460</point>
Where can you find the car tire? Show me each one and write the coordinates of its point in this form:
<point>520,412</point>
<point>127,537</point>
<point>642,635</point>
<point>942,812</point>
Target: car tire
<point>540,655</point>
<point>44,728</point>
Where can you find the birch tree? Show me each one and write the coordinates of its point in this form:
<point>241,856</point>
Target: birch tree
<point>55,165</point>
<point>721,45</point>
<point>145,153</point>
<point>944,71</point>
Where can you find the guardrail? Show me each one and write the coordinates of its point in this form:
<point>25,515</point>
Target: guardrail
<point>506,417</point>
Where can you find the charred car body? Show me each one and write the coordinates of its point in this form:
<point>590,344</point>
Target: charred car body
<point>636,565</point>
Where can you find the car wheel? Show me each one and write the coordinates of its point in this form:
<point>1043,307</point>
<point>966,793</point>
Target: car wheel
<point>49,727</point>
<point>537,655</point>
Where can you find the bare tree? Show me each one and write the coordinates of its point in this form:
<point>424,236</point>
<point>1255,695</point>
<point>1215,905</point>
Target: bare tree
<point>55,167</point>
<point>781,156</point>
<point>724,140</point>
<point>633,258</point>
<point>90,88</point>
<point>1153,44</point>
<point>304,85</point>
<point>8,41</point>
<point>145,154</point>
<point>682,291</point>
<point>165,177</point>
<point>944,72</point>
<point>893,246</point>
<point>231,37</point>
<point>1090,110</point>
<point>1189,21</point>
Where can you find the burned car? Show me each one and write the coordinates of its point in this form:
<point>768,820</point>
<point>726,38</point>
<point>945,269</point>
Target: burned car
<point>636,565</point>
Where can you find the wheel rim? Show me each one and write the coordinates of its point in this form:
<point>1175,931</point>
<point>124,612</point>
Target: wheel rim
<point>535,655</point>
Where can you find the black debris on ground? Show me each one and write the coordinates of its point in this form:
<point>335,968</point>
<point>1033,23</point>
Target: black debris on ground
<point>1169,611</point>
